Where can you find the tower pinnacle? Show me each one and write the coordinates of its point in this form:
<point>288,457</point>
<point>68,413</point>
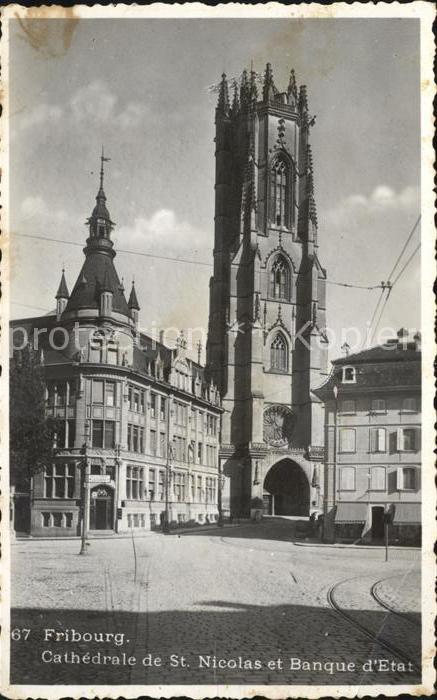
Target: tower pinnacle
<point>223,99</point>
<point>100,220</point>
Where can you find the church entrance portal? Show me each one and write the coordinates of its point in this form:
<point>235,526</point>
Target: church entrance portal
<point>286,490</point>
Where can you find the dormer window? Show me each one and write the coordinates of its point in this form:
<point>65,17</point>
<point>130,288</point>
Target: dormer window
<point>349,375</point>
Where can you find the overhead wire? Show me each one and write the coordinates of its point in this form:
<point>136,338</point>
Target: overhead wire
<point>179,260</point>
<point>388,286</point>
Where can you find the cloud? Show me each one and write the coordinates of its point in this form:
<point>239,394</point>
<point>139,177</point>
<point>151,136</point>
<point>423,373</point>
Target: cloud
<point>36,207</point>
<point>132,115</point>
<point>42,114</point>
<point>96,103</point>
<point>381,202</point>
<point>93,102</point>
<point>163,232</point>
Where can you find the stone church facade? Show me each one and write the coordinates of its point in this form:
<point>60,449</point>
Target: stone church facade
<point>267,345</point>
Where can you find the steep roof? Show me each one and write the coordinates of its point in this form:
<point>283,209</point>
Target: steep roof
<point>62,292</point>
<point>98,274</point>
<point>393,351</point>
<point>133,301</point>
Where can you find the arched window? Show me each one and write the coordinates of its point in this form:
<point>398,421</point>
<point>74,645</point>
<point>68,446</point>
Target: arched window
<point>279,354</point>
<point>280,278</point>
<point>279,193</point>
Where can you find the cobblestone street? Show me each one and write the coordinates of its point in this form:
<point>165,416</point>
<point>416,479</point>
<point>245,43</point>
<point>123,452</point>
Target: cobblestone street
<point>241,605</point>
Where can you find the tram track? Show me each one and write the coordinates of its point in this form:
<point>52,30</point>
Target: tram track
<point>365,631</point>
<point>384,604</point>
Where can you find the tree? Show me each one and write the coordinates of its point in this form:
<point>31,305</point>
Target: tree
<point>31,431</point>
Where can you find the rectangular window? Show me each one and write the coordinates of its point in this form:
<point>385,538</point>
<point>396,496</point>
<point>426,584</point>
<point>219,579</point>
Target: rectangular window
<point>135,480</point>
<point>378,406</point>
<point>177,486</point>
<point>153,405</point>
<point>153,442</point>
<point>103,434</point>
<point>57,519</point>
<point>97,433</point>
<point>377,479</point>
<point>95,353</point>
<point>71,392</point>
<point>109,428</point>
<point>112,356</point>
<point>347,478</point>
<point>61,394</point>
<point>199,452</point>
<point>347,439</point>
<point>71,426</point>
<point>161,485</point>
<point>142,401</point>
<point>59,481</point>
<point>163,408</point>
<point>409,405</point>
<point>152,484</point>
<point>377,440</point>
<point>349,375</point>
<point>110,393</point>
<point>97,391</point>
<point>406,479</point>
<point>162,445</point>
<point>347,406</point>
<point>193,487</point>
<point>199,488</point>
<point>128,482</point>
<point>136,401</point>
<point>407,440</point>
<point>45,519</point>
<point>130,398</point>
<point>68,519</point>
<point>135,438</point>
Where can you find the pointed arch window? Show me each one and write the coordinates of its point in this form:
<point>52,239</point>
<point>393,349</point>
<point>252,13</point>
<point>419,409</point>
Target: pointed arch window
<point>280,192</point>
<point>279,354</point>
<point>280,277</point>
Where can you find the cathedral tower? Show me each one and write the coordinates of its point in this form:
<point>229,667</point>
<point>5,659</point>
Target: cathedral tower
<point>267,346</point>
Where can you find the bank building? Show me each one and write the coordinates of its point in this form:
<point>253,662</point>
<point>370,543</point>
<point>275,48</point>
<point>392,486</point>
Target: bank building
<point>267,345</point>
<point>137,442</point>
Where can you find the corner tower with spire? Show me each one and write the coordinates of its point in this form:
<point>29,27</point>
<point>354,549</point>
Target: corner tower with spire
<point>98,293</point>
<point>266,338</point>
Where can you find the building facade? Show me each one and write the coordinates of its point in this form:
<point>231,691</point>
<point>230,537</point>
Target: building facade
<point>138,424</point>
<point>267,345</point>
<point>372,444</point>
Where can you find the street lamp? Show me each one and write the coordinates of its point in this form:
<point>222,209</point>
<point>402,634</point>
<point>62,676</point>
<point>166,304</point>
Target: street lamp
<point>85,491</point>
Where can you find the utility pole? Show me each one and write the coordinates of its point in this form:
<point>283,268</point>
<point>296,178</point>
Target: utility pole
<point>220,484</point>
<point>85,492</point>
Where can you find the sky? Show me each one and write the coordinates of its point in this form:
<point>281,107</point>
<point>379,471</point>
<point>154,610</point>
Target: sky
<point>140,87</point>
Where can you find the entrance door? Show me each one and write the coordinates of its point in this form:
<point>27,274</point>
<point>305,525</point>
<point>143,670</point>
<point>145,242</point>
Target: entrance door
<point>102,508</point>
<point>377,522</point>
<point>288,486</point>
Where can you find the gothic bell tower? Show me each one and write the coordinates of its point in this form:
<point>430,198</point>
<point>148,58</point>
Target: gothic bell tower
<point>267,344</point>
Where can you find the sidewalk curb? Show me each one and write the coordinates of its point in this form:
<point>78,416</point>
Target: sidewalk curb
<point>360,547</point>
<point>126,535</point>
